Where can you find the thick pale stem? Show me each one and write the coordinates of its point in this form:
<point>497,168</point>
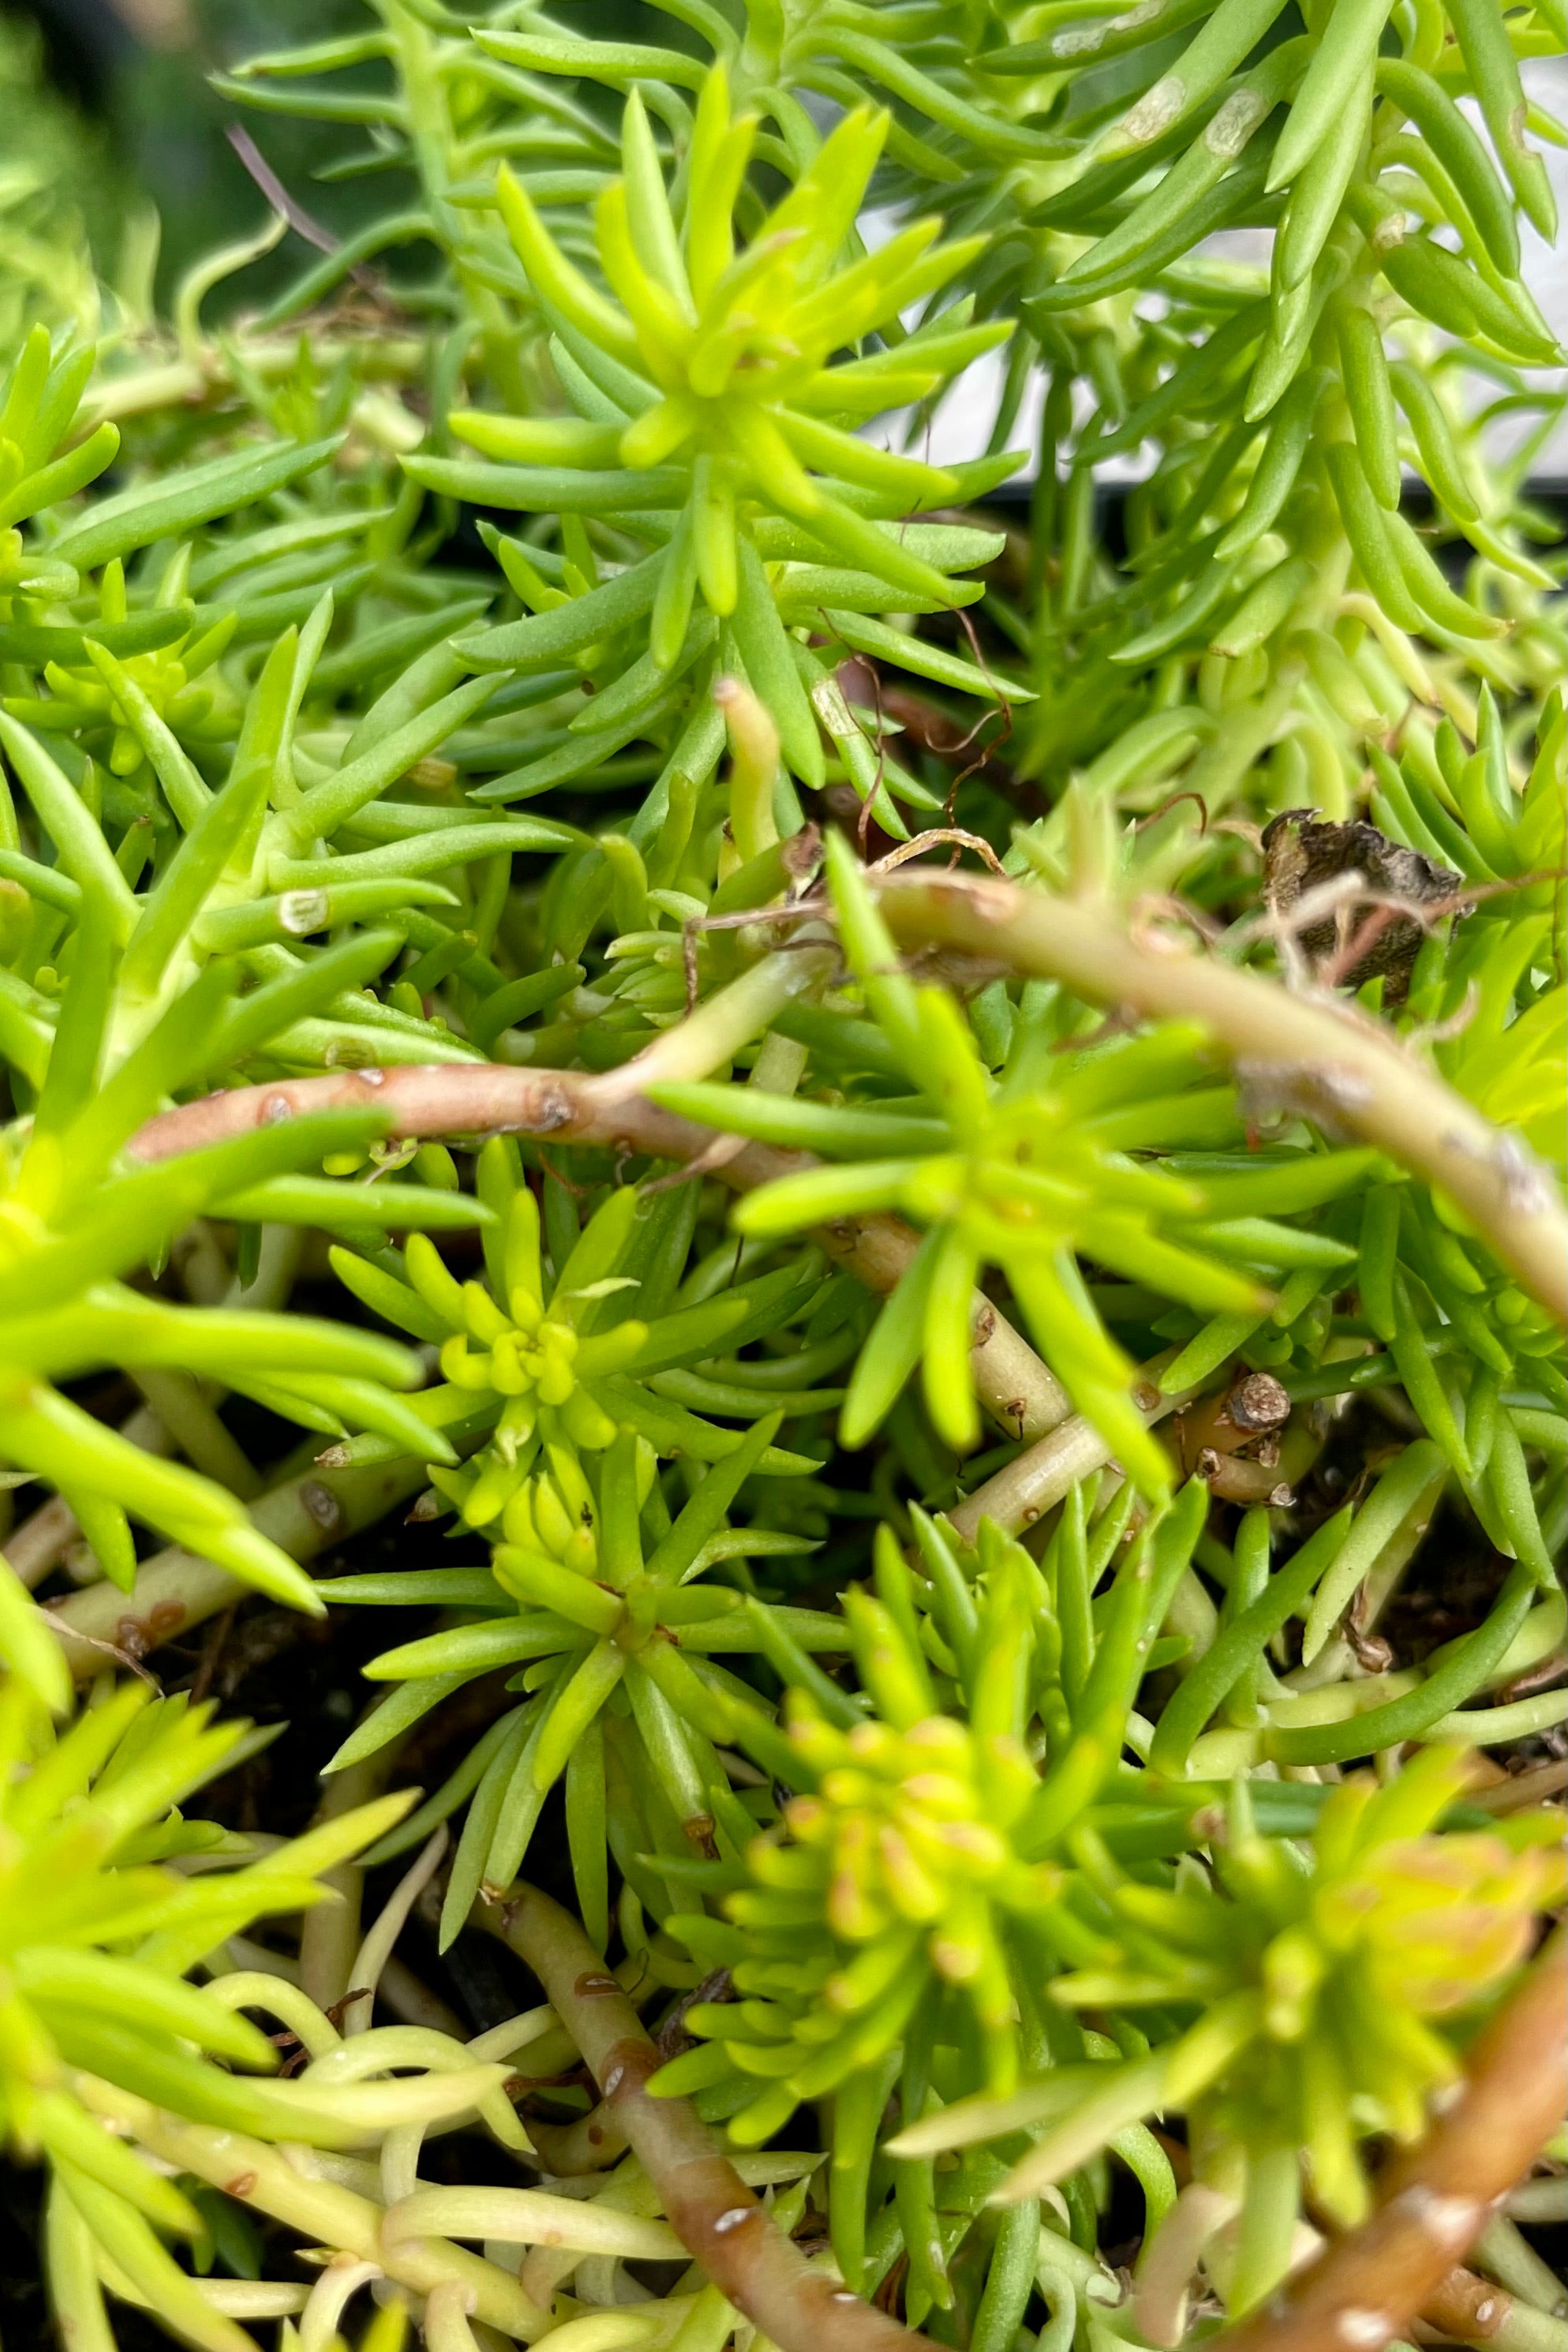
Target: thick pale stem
<point>1023,1394</point>
<point>177,1589</point>
<point>44,1536</point>
<point>1311,1053</point>
<point>1366,2288</point>
<point>720,2221</point>
<point>325,2213</point>
<point>1169,2259</point>
<point>1033,1483</point>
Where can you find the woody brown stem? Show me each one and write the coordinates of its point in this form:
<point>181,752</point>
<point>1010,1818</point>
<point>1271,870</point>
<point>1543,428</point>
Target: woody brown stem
<point>609,1109</point>
<point>1473,2310</point>
<point>721,2223</point>
<point>1364,2289</point>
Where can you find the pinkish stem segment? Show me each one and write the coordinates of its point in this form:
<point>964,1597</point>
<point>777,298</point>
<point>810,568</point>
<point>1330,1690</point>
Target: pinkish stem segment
<point>577,1106</point>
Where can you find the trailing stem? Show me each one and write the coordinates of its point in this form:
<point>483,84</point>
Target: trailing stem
<point>1313,1052</point>
<point>575,1107</point>
<point>721,2223</point>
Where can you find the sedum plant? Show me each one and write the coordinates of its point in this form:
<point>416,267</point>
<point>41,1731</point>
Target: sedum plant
<point>940,1280</point>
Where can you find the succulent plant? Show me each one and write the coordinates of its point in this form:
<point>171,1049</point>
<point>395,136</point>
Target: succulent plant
<point>963,1395</point>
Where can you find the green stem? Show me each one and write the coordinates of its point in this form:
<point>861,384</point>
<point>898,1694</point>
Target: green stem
<point>1414,1715</point>
<point>857,2115</point>
<point>1508,2258</point>
<point>330,1932</point>
<point>1268,2211</point>
<point>1010,2282</point>
<point>1489,1727</point>
<point>1521,2328</point>
<point>177,1589</point>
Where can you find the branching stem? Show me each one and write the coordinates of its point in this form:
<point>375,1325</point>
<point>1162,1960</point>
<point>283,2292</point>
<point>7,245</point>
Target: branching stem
<point>1311,1053</point>
<point>720,2220</point>
<point>1037,1480</point>
<point>609,1109</point>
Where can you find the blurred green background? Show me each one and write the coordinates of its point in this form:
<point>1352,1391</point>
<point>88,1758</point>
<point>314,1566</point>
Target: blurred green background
<point>106,116</point>
<point>106,111</point>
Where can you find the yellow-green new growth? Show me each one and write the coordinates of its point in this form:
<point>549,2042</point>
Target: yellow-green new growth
<point>719,360</point>
<point>1031,1178</point>
<point>1319,1979</point>
<point>905,1838</point>
<point>96,1938</point>
<point>527,1366</point>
